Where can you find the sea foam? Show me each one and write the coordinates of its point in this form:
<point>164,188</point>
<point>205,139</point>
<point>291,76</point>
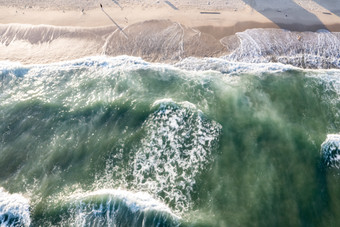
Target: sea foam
<point>302,49</point>
<point>178,145</point>
<point>330,149</point>
<point>169,42</point>
<point>116,207</point>
<point>14,210</point>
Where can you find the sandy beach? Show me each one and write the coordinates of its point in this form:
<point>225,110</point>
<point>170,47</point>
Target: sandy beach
<point>303,15</point>
<point>213,20</point>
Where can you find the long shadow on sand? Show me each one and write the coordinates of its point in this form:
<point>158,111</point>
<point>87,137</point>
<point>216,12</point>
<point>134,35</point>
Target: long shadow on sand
<point>171,5</point>
<point>287,14</point>
<point>117,3</point>
<point>332,5</point>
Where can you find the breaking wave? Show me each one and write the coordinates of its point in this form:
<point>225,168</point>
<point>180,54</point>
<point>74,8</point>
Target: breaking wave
<point>109,207</point>
<point>14,210</point>
<point>105,141</point>
<point>177,146</point>
<point>331,151</point>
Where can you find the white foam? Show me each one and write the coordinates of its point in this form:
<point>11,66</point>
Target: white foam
<point>232,67</point>
<point>14,210</point>
<point>169,101</point>
<point>101,61</point>
<point>178,145</point>
<point>330,77</point>
<point>303,49</point>
<point>330,149</point>
<point>116,207</point>
<point>136,201</point>
<point>61,82</point>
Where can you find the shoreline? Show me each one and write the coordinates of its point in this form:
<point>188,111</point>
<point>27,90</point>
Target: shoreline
<point>161,32</point>
<point>165,41</point>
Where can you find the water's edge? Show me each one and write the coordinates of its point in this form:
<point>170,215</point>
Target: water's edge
<point>168,42</point>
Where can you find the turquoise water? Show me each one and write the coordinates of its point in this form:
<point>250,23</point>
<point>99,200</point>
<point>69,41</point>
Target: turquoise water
<point>121,142</point>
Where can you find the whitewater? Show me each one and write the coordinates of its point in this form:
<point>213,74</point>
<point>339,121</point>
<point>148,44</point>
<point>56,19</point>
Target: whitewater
<point>169,42</point>
<point>246,139</point>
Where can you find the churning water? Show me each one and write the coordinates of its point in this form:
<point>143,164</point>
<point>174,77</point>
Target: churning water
<point>121,142</point>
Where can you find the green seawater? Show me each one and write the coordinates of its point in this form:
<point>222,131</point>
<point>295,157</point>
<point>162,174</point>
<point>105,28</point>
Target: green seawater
<point>122,142</point>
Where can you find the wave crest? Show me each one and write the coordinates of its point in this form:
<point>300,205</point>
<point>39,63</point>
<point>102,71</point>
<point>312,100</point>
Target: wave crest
<point>331,151</point>
<point>110,207</point>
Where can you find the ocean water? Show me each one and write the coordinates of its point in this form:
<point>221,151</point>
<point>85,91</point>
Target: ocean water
<point>104,141</point>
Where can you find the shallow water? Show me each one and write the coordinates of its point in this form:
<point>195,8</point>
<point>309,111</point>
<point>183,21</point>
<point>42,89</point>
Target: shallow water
<point>121,142</point>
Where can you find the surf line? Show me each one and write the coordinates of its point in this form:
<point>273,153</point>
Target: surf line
<point>101,6</point>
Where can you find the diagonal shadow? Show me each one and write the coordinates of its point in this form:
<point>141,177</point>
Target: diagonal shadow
<point>332,5</point>
<point>117,3</point>
<point>171,5</point>
<point>287,14</point>
<point>114,22</point>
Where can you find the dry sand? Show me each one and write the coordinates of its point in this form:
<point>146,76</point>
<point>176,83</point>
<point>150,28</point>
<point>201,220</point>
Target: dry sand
<point>209,20</point>
<point>236,14</point>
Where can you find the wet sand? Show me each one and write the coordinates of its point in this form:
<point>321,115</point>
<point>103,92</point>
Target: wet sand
<point>177,28</point>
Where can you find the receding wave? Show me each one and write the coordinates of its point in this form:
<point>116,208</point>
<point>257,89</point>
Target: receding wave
<point>303,49</point>
<point>166,41</point>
